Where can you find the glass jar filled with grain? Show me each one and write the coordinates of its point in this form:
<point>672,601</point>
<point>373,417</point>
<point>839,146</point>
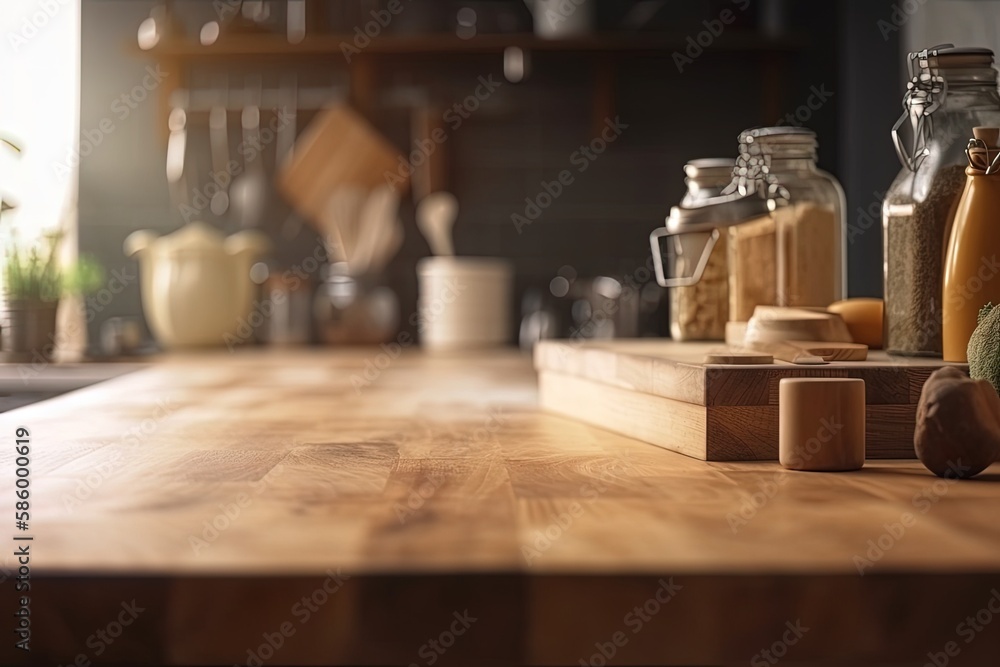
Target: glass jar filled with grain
<point>782,220</point>
<point>792,255</point>
<point>951,91</point>
<point>700,311</point>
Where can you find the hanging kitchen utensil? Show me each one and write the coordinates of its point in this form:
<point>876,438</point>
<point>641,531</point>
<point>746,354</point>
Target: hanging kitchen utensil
<point>375,228</point>
<point>176,156</point>
<point>249,196</point>
<point>284,143</point>
<point>436,215</point>
<point>295,21</point>
<point>159,26</point>
<point>218,137</point>
<point>388,246</point>
<point>339,221</point>
<point>287,113</point>
<point>427,122</point>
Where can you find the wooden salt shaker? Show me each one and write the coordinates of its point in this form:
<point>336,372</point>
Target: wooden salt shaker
<point>821,424</point>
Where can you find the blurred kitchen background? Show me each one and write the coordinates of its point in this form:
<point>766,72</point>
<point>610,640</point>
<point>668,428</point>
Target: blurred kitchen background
<point>133,63</point>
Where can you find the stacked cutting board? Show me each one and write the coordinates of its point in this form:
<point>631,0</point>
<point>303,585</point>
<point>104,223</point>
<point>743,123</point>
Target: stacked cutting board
<point>663,393</point>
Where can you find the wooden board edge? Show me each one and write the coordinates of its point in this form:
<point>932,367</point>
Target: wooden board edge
<point>675,425</point>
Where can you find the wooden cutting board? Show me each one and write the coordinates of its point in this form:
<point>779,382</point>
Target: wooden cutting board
<point>833,351</point>
<point>338,149</point>
<point>661,392</point>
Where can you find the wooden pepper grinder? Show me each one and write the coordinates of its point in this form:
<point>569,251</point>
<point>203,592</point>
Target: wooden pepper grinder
<point>972,263</point>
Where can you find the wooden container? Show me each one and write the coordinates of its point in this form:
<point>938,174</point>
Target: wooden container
<point>821,424</point>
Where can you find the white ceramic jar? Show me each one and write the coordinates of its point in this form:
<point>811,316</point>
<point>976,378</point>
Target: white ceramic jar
<point>464,302</point>
<point>195,284</point>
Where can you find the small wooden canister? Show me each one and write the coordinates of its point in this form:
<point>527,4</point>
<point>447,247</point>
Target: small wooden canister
<point>821,424</point>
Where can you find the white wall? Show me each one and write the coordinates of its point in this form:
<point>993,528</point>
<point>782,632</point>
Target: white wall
<point>39,90</point>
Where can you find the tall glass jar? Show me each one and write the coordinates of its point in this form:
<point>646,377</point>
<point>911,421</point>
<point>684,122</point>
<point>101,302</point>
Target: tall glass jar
<point>794,254</point>
<point>784,222</point>
<point>700,312</point>
<point>951,91</point>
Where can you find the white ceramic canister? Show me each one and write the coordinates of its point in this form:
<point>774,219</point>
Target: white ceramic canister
<point>464,302</point>
<point>195,284</point>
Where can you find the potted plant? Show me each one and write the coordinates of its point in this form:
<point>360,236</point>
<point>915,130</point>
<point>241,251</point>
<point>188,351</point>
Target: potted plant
<point>34,282</point>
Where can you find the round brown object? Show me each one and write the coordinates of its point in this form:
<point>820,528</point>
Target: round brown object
<point>958,424</point>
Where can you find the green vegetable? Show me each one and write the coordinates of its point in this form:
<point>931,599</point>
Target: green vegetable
<point>984,347</point>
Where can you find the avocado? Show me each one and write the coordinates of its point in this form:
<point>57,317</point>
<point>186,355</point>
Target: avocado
<point>984,347</point>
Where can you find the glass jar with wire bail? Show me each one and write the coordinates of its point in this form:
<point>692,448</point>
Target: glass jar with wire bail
<point>700,311</point>
<point>950,92</point>
<point>784,222</point>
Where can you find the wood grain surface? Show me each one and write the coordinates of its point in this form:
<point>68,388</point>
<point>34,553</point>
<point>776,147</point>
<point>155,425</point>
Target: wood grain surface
<point>403,497</point>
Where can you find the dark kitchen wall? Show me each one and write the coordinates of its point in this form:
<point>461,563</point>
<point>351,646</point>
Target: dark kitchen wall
<point>871,82</point>
<point>777,58</point>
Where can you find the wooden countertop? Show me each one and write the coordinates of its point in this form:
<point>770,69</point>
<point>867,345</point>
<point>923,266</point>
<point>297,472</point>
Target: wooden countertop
<point>221,488</point>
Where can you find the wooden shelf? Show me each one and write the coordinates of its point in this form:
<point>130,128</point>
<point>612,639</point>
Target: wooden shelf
<point>180,53</point>
<point>270,45</point>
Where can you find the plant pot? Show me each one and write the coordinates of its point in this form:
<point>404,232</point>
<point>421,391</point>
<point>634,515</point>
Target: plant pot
<point>30,334</point>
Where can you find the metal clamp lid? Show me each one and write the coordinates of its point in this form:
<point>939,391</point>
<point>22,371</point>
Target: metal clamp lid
<point>752,173</point>
<point>715,214</point>
<point>983,151</point>
<point>753,192</point>
<point>926,91</point>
